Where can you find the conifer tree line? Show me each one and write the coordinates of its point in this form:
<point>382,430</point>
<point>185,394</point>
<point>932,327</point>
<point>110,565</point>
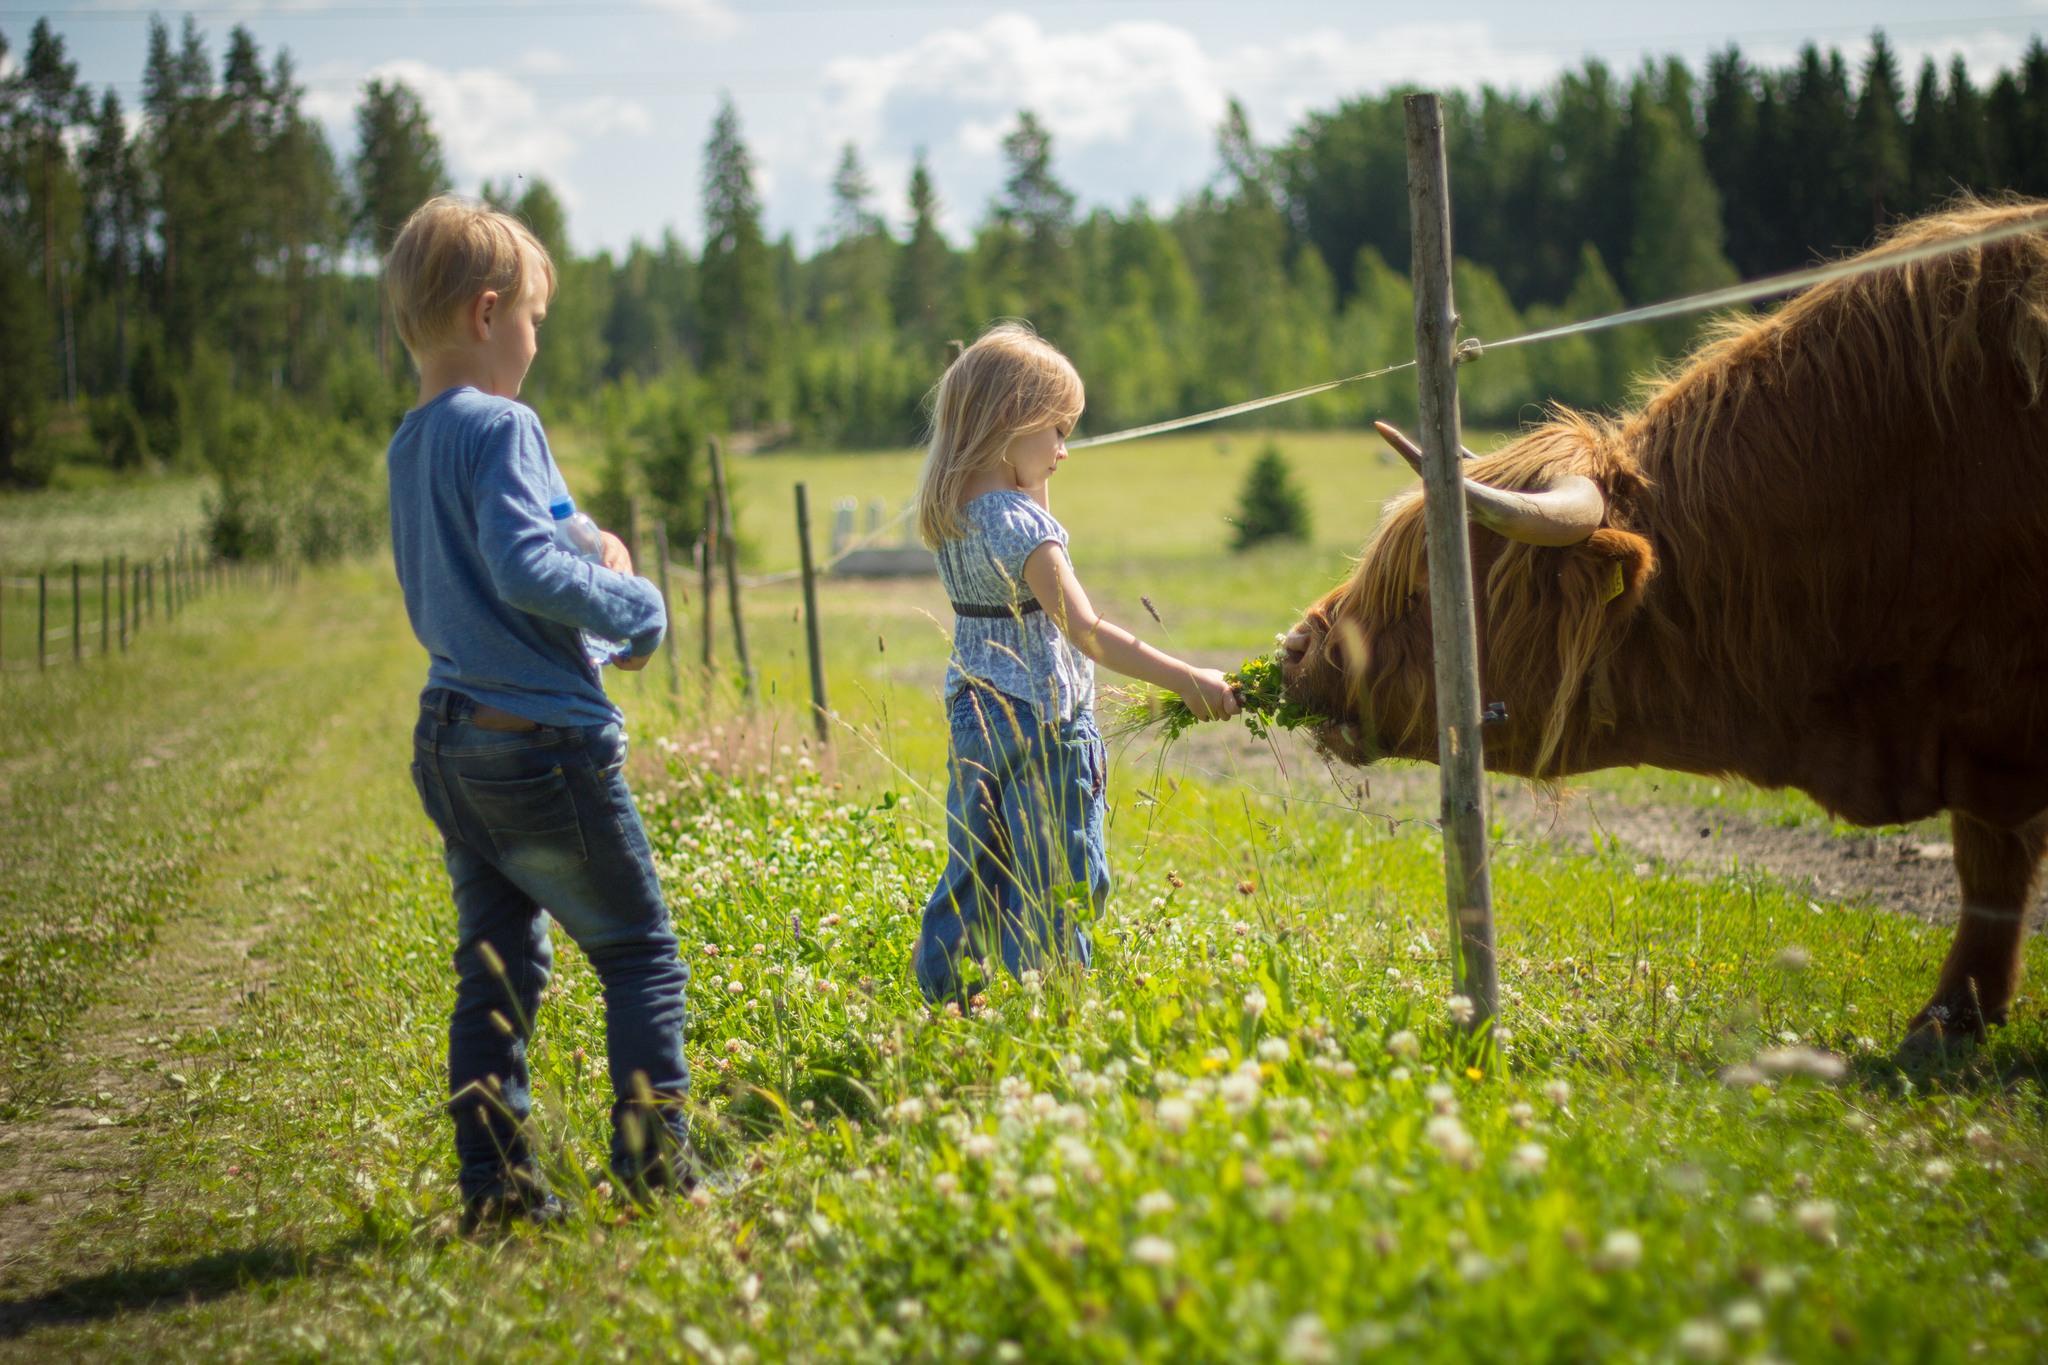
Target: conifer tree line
<point>198,284</point>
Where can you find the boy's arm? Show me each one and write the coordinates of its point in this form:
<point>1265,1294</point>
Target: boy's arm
<point>1050,576</point>
<point>516,536</point>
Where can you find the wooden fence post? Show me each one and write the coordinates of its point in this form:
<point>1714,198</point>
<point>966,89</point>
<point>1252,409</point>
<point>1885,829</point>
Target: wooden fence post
<point>124,603</point>
<point>668,637</point>
<point>729,552</point>
<point>820,712</point>
<point>1460,753</point>
<point>707,548</point>
<point>42,620</point>
<point>77,619</point>
<point>106,602</point>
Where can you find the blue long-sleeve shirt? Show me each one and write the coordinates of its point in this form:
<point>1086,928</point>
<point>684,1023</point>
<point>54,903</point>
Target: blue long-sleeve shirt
<point>494,598</point>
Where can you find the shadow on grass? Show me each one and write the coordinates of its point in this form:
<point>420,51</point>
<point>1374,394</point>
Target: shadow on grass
<point>112,1293</point>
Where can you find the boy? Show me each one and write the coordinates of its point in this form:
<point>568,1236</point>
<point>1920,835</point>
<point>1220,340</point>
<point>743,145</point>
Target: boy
<point>518,754</point>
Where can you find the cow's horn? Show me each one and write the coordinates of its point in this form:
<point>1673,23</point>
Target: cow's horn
<point>1565,513</point>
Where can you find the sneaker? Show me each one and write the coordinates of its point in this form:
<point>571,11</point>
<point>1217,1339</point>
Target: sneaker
<point>522,1198</point>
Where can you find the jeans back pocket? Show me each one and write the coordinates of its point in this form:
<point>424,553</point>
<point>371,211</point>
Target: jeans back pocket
<point>531,820</point>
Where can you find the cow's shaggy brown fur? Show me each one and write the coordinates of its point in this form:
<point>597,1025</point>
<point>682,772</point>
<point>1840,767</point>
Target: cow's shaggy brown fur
<point>1824,563</point>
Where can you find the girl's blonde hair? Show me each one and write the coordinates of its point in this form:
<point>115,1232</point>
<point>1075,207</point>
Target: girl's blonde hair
<point>1011,381</point>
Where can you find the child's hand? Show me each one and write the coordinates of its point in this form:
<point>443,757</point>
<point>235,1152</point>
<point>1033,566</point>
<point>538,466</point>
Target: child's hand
<point>616,556</point>
<point>1209,694</point>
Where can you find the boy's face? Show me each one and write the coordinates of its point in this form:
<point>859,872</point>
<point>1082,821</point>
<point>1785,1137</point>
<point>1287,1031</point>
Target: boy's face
<point>1036,455</point>
<point>506,335</point>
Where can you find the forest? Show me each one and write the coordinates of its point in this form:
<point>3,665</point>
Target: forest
<point>197,287</point>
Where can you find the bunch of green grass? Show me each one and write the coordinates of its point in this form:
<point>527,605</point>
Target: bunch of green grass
<point>1261,691</point>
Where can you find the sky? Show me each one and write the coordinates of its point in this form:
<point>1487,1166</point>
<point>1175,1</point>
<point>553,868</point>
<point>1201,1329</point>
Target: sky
<point>611,100</point>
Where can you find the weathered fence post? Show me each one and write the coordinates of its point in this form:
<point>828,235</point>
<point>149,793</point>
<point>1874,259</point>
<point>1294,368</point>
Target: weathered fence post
<point>106,602</point>
<point>77,619</point>
<point>707,555</point>
<point>819,711</point>
<point>668,637</point>
<point>124,603</point>
<point>729,552</point>
<point>42,620</point>
<point>1460,756</point>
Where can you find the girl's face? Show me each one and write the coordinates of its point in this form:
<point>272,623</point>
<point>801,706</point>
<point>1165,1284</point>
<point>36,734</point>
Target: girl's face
<point>1035,455</point>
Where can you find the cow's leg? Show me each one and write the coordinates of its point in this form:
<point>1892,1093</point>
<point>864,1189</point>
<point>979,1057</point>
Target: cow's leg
<point>1999,870</point>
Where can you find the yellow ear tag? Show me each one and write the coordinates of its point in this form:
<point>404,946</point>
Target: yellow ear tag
<point>1614,582</point>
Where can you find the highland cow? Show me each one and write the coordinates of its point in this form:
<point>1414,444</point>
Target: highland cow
<point>1816,556</point>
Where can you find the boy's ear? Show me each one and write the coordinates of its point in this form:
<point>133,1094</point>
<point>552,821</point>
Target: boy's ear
<point>482,314</point>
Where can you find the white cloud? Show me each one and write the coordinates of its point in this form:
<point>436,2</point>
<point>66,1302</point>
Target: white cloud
<point>492,124</point>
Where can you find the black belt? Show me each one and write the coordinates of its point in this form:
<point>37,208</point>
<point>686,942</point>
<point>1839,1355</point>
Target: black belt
<point>1024,608</point>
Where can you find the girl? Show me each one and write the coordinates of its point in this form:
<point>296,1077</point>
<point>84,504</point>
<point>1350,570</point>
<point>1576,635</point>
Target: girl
<point>1024,806</point>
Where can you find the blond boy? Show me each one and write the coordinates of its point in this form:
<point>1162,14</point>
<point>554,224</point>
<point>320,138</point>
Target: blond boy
<point>518,753</point>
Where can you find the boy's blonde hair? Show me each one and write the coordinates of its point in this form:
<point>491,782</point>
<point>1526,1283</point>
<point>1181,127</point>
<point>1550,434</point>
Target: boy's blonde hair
<point>450,250</point>
<point>1010,382</point>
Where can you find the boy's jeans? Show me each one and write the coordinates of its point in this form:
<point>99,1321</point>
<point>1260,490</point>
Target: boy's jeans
<point>1024,841</point>
<point>538,823</point>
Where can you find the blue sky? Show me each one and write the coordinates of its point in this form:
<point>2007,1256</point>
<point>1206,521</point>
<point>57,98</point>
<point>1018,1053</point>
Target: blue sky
<point>611,100</point>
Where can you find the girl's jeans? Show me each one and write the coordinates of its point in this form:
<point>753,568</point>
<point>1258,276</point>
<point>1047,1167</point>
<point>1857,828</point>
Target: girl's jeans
<point>536,823</point>
<point>1024,841</point>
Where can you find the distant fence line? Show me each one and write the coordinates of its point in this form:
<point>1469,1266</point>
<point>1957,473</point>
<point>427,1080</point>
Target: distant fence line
<point>78,610</point>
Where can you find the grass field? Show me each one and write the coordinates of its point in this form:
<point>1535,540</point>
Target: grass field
<point>1250,1133</point>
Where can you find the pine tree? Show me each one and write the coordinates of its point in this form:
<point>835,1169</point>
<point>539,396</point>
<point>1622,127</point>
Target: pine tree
<point>1968,153</point>
<point>924,269</point>
<point>1881,157</point>
<point>1677,245</point>
<point>53,103</point>
<point>398,167</point>
<point>1731,150</point>
<point>736,280</point>
<point>1927,141</point>
<point>1271,505</point>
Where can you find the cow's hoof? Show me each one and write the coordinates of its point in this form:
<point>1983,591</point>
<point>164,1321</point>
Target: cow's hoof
<point>1940,1035</point>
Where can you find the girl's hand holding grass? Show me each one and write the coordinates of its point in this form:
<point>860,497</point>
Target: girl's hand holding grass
<point>1256,688</point>
<point>1208,694</point>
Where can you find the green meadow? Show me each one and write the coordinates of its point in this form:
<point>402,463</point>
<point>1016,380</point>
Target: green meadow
<point>1251,1132</point>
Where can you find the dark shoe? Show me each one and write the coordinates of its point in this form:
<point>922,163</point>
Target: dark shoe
<point>523,1198</point>
<point>676,1169</point>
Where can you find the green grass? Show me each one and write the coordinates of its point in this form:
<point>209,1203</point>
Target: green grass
<point>1222,1144</point>
<point>141,517</point>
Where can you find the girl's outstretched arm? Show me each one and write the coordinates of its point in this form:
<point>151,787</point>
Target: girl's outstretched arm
<point>1050,576</point>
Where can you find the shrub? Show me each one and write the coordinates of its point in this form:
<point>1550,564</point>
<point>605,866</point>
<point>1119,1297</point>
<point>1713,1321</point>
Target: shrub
<point>1271,505</point>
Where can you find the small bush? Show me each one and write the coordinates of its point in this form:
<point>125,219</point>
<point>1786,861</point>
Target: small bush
<point>1271,505</point>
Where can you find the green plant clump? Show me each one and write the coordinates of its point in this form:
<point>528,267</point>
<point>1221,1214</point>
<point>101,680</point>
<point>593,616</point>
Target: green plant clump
<point>1260,690</point>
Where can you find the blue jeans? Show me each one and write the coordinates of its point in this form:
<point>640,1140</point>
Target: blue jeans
<point>1024,841</point>
<point>536,823</point>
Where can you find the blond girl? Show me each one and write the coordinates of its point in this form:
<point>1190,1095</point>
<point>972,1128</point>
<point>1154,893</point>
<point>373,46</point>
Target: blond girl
<point>1024,801</point>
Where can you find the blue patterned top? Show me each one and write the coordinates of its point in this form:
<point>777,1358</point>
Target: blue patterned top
<point>1024,655</point>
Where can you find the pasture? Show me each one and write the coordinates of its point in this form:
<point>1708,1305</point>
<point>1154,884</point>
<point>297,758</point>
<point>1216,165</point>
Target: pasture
<point>1250,1133</point>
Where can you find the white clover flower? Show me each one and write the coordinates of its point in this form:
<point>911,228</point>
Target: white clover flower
<point>1530,1158</point>
<point>1255,1003</point>
<point>1979,1137</point>
<point>1792,958</point>
<point>1621,1249</point>
<point>1702,1339</point>
<point>1175,1115</point>
<point>1744,1315</point>
<point>1801,1061</point>
<point>1398,1075</point>
<point>1404,1045</point>
<point>1308,1342</point>
<point>1777,1282</point>
<point>1816,1218</point>
<point>1449,1137</point>
<point>1239,1090</point>
<point>1273,1050</point>
<point>1041,1186</point>
<point>1742,1076</point>
<point>1759,1209</point>
<point>1155,1251</point>
<point>1394,975</point>
<point>1937,1171</point>
<point>1442,1098</point>
<point>1155,1204</point>
<point>1522,1113</point>
<point>908,1111</point>
<point>1460,1008</point>
<point>945,1182</point>
<point>1558,1092</point>
<point>978,1146</point>
<point>908,1310</point>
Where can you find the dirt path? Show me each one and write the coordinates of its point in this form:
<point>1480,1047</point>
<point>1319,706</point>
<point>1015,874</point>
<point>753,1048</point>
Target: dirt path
<point>1908,874</point>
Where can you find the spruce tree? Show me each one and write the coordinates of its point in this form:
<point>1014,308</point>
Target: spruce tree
<point>1271,505</point>
<point>924,268</point>
<point>398,167</point>
<point>1881,155</point>
<point>736,279</point>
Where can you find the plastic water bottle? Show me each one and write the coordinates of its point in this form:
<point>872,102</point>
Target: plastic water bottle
<point>579,535</point>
